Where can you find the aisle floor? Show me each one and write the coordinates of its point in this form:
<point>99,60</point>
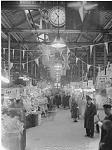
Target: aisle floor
<point>59,132</point>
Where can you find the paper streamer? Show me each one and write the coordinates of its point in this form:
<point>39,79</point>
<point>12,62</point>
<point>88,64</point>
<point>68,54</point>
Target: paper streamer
<point>88,66</point>
<point>23,65</point>
<point>99,69</point>
<point>91,49</point>
<point>81,12</point>
<point>77,60</point>
<point>11,65</point>
<point>68,51</point>
<point>13,52</point>
<point>106,46</point>
<point>37,61</point>
<point>108,65</point>
<point>23,53</point>
<point>4,51</point>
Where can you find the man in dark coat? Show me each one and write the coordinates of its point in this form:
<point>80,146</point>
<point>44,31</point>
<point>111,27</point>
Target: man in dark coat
<point>107,109</point>
<point>90,112</point>
<point>106,143</point>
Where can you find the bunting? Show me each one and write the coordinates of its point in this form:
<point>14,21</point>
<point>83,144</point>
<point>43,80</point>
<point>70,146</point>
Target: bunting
<point>77,60</point>
<point>37,61</point>
<point>4,51</point>
<point>23,65</point>
<point>23,53</point>
<point>99,69</point>
<point>81,12</point>
<point>91,48</point>
<point>104,43</point>
<point>106,46</point>
<point>13,53</point>
<point>68,51</point>
<point>88,66</point>
<point>108,65</point>
<point>27,63</point>
<point>11,65</point>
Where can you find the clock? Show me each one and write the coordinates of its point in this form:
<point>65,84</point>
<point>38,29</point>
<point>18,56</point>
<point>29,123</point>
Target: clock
<point>57,16</point>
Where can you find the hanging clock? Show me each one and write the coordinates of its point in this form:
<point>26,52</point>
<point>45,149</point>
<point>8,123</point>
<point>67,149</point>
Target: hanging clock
<point>57,16</point>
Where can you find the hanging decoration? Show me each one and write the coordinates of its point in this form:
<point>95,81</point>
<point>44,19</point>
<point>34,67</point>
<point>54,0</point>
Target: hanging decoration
<point>68,51</point>
<point>88,67</point>
<point>91,48</point>
<point>108,65</point>
<point>4,51</point>
<point>106,46</point>
<point>37,61</point>
<point>77,60</point>
<point>81,12</point>
<point>35,69</point>
<point>27,63</point>
<point>23,65</point>
<point>83,7</point>
<point>23,53</point>
<point>13,53</point>
<point>11,65</point>
<point>99,69</point>
<point>49,47</point>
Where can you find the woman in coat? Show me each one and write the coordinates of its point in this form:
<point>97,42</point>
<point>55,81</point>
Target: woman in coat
<point>74,109</point>
<point>90,112</point>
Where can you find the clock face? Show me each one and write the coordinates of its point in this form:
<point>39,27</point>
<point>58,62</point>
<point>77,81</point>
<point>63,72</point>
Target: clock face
<point>57,16</point>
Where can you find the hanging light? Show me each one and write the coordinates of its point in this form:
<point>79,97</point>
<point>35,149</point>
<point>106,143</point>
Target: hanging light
<point>58,41</point>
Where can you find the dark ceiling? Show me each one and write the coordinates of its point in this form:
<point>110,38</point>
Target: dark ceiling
<point>27,27</point>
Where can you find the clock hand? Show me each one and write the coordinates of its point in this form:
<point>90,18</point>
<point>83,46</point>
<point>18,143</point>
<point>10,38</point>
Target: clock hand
<point>55,19</point>
<point>57,14</point>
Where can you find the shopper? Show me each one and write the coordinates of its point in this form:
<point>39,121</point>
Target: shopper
<point>107,110</point>
<point>74,109</point>
<point>90,112</point>
<point>106,143</point>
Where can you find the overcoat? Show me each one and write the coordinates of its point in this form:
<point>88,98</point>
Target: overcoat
<point>74,109</point>
<point>103,134</point>
<point>90,112</point>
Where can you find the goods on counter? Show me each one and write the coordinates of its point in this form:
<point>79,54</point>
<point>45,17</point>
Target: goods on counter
<point>11,125</point>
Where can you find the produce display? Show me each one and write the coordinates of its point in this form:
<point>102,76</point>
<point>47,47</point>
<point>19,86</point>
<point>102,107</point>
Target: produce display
<point>11,125</point>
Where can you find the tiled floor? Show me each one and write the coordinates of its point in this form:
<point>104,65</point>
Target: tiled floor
<point>59,132</point>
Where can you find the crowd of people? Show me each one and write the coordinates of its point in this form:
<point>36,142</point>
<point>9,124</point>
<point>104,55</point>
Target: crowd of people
<point>104,126</point>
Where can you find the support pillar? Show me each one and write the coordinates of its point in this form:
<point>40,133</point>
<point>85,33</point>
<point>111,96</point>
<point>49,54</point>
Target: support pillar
<point>94,64</point>
<point>9,56</point>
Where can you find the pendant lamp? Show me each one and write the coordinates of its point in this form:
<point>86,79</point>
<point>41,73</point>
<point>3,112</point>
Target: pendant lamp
<point>58,41</point>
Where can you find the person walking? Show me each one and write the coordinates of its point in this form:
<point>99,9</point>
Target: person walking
<point>74,109</point>
<point>89,114</point>
<point>106,143</point>
<point>107,109</point>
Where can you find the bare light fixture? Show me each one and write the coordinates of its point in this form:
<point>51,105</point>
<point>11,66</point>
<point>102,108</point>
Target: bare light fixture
<point>58,41</point>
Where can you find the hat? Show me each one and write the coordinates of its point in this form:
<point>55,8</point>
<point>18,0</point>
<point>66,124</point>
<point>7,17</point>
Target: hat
<point>88,97</point>
<point>107,103</point>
